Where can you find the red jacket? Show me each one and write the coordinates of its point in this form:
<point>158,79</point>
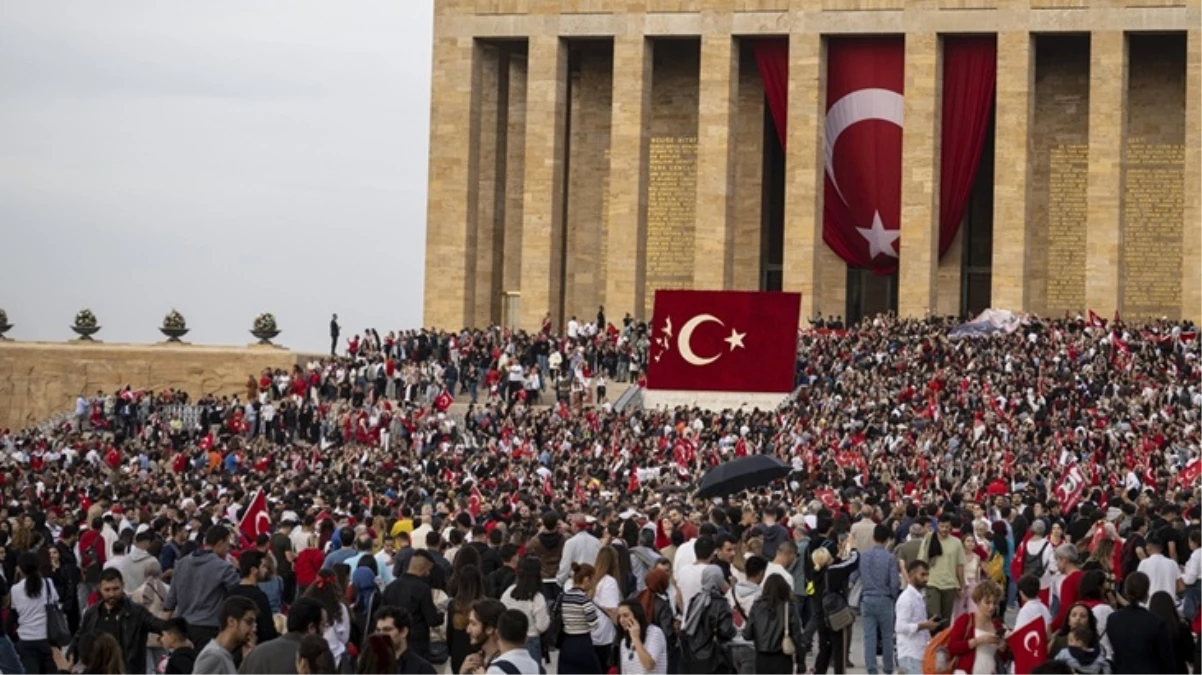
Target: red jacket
<point>963,630</point>
<point>1069,592</point>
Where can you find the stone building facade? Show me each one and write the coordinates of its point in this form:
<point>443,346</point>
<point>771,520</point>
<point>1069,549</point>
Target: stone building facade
<point>588,152</point>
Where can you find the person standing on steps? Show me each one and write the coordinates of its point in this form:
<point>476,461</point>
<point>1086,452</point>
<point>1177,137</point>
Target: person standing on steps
<point>335,329</point>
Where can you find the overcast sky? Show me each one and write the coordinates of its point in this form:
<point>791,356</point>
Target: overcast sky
<point>222,157</point>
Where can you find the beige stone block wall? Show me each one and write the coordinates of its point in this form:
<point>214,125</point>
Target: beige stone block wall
<point>588,175</point>
<point>630,127</point>
<point>1107,98</point>
<point>1014,102</point>
<point>482,291</point>
<point>39,380</point>
<point>948,282</point>
<point>749,176</point>
<point>515,172</point>
<point>714,234</point>
<point>1191,242</point>
<point>919,250</point>
<point>451,201</point>
<point>542,210</point>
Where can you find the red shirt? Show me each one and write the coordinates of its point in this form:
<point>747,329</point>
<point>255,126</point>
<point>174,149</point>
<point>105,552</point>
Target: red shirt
<point>1069,591</point>
<point>308,564</point>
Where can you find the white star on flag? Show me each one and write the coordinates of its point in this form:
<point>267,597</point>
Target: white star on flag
<point>880,240</point>
<point>735,339</point>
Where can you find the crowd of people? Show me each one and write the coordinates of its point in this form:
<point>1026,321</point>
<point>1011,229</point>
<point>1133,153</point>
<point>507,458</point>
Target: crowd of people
<point>395,532</point>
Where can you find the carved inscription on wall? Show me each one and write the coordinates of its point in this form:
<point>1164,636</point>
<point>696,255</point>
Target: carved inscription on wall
<point>671,207</point>
<point>1153,203</point>
<point>1068,183</point>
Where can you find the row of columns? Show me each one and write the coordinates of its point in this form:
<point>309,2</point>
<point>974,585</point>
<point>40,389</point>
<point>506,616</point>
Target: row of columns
<point>809,265</point>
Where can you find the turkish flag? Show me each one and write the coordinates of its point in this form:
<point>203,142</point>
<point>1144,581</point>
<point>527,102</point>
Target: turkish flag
<point>255,520</point>
<point>1029,644</point>
<point>862,198</point>
<point>1069,489</point>
<point>736,341</point>
<point>1191,472</point>
<point>443,401</point>
<point>828,498</point>
<point>1095,320</point>
<point>475,502</point>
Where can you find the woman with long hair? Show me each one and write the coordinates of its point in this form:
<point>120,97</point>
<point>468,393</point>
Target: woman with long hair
<point>657,607</point>
<point>466,556</point>
<point>1093,594</point>
<point>526,596</point>
<point>105,656</point>
<point>607,595</point>
<point>378,655</point>
<point>580,619</point>
<point>272,585</point>
<point>469,587</point>
<point>831,576</point>
<point>773,617</point>
<point>1184,651</point>
<point>1078,615</point>
<point>642,647</point>
<point>29,597</point>
<point>327,591</point>
<point>313,657</point>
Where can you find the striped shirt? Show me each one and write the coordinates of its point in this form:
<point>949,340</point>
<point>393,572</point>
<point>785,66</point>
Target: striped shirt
<point>580,615</point>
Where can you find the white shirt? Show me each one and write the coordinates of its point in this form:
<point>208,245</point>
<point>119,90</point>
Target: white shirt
<point>1031,610</point>
<point>519,658</point>
<point>606,596</point>
<point>581,548</point>
<point>686,554</point>
<point>1193,567</point>
<point>535,610</point>
<point>688,581</point>
<point>778,570</point>
<point>656,646</point>
<point>1049,562</point>
<point>911,610</point>
<point>31,612</point>
<point>1162,573</point>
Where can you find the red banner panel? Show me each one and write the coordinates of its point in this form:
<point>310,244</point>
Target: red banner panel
<point>741,341</point>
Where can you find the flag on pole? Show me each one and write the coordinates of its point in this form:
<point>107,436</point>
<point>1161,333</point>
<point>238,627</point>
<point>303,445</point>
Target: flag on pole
<point>255,520</point>
<point>443,401</point>
<point>1069,489</point>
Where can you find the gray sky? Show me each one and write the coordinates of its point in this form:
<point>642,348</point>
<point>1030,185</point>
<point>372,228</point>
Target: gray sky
<point>222,157</point>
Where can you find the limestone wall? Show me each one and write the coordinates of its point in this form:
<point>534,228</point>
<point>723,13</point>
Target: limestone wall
<point>41,379</point>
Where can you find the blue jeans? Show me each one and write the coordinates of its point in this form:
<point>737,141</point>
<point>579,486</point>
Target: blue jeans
<point>877,612</point>
<point>534,645</point>
<point>9,661</point>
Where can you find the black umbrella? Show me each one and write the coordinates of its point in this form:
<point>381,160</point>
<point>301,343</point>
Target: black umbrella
<point>741,474</point>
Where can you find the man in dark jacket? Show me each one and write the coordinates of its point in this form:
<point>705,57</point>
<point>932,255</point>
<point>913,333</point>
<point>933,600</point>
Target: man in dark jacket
<point>547,545</point>
<point>253,566</point>
<point>411,592</point>
<point>200,584</point>
<point>127,621</point>
<point>1140,638</point>
<point>69,565</point>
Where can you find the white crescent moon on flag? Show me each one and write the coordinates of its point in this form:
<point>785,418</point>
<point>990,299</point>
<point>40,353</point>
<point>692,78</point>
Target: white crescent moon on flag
<point>262,523</point>
<point>1027,642</point>
<point>859,105</point>
<point>686,335</point>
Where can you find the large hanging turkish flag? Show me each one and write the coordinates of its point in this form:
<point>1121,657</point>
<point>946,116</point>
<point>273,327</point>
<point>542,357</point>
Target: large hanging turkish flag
<point>739,341</point>
<point>862,202</point>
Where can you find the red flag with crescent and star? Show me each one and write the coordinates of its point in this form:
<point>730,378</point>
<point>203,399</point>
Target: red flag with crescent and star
<point>1069,489</point>
<point>255,520</point>
<point>862,198</point>
<point>1029,644</point>
<point>736,341</point>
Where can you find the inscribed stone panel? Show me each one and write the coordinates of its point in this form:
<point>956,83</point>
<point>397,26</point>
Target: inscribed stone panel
<point>1059,174</point>
<point>1154,178</point>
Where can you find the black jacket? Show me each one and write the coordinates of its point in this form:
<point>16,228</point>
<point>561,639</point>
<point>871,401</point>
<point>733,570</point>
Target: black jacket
<point>716,628</point>
<point>1141,642</point>
<point>413,594</point>
<point>764,628</point>
<point>136,623</point>
<point>181,661</point>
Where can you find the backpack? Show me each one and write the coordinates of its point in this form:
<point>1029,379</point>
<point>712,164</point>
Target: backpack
<point>510,669</point>
<point>1033,563</point>
<point>935,658</point>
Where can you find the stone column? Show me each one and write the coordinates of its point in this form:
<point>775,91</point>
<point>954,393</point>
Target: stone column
<point>451,201</point>
<point>810,267</point>
<point>1107,98</point>
<point>630,129</point>
<point>714,234</point>
<point>918,277</point>
<point>1191,242</point>
<point>1015,100</point>
<point>542,210</point>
